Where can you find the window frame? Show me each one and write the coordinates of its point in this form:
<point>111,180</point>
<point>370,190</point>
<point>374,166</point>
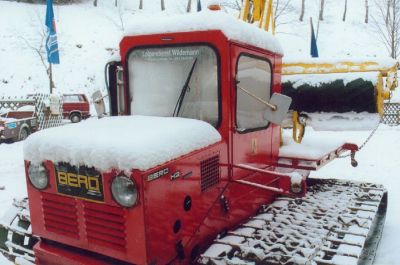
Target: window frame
<point>219,81</point>
<point>236,87</point>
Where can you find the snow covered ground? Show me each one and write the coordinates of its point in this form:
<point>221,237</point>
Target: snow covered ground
<point>378,163</point>
<point>88,36</point>
<point>12,174</point>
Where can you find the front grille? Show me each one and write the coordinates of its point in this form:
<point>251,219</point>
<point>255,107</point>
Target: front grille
<point>105,225</point>
<point>60,215</point>
<point>210,172</point>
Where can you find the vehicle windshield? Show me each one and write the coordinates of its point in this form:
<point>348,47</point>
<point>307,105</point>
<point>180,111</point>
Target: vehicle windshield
<point>174,81</point>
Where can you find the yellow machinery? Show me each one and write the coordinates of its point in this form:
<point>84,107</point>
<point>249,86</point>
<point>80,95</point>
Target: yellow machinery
<point>386,80</point>
<point>261,13</point>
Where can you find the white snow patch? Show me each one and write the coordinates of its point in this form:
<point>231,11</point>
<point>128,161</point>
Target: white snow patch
<point>348,121</point>
<point>3,260</point>
<point>26,108</point>
<point>295,177</point>
<point>5,120</point>
<point>214,2</point>
<point>129,142</point>
<point>22,261</point>
<point>310,148</point>
<point>233,28</point>
<point>281,203</point>
<point>318,79</point>
<point>216,249</point>
<point>12,175</point>
<point>339,259</point>
<point>235,240</point>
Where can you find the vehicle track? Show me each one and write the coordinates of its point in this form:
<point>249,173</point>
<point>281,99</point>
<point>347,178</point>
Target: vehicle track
<point>337,222</point>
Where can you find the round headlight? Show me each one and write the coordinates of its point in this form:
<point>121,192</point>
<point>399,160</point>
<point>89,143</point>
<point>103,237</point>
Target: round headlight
<point>38,176</point>
<point>124,191</point>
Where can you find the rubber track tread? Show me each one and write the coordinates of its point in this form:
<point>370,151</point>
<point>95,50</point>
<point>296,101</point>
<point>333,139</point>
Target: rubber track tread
<point>18,239</point>
<point>337,222</point>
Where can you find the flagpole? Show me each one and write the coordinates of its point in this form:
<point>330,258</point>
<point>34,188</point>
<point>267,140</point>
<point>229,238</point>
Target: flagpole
<point>53,56</point>
<point>51,78</point>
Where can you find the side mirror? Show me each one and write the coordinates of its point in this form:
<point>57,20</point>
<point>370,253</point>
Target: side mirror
<point>277,114</point>
<point>278,105</point>
<point>99,105</point>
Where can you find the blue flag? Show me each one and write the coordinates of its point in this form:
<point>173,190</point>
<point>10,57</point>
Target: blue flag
<point>198,6</point>
<point>51,41</point>
<point>314,48</point>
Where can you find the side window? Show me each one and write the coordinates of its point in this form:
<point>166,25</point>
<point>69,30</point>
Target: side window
<point>71,98</point>
<point>253,80</point>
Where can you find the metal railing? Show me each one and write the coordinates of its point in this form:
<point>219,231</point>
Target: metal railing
<point>40,102</point>
<point>391,114</point>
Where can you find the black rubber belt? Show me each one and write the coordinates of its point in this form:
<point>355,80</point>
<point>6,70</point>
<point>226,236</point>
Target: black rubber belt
<point>358,96</point>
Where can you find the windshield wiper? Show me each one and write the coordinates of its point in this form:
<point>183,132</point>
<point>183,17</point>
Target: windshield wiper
<point>185,88</point>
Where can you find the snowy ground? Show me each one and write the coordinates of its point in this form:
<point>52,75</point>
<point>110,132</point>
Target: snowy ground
<point>88,36</point>
<point>378,163</point>
<point>12,174</point>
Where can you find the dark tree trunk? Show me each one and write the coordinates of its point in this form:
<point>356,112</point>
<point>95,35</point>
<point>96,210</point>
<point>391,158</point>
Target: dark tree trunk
<point>345,10</point>
<point>321,10</point>
<point>162,5</point>
<point>394,32</point>
<point>302,10</point>
<point>189,6</point>
<point>95,2</point>
<point>141,4</point>
<point>387,11</point>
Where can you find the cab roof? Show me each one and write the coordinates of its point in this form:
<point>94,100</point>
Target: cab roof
<point>233,28</point>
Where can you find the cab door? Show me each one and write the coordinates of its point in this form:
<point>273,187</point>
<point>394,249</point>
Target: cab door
<point>251,133</point>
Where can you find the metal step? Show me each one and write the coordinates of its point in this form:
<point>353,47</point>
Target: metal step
<point>337,222</point>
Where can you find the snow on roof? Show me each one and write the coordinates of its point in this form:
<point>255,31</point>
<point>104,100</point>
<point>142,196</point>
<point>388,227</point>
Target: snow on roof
<point>114,57</point>
<point>232,28</point>
<point>26,108</point>
<point>318,79</point>
<point>4,119</point>
<point>129,142</point>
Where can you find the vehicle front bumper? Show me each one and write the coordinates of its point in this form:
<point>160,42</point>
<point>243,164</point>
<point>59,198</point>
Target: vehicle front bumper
<point>49,253</point>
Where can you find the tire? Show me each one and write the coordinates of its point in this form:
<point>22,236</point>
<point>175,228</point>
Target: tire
<point>23,134</point>
<point>75,117</point>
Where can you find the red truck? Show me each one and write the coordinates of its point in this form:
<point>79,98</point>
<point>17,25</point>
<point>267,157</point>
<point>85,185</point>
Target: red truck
<point>16,125</point>
<point>75,107</point>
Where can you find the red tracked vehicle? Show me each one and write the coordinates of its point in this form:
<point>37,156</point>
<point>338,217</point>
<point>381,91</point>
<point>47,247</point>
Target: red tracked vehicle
<point>171,212</point>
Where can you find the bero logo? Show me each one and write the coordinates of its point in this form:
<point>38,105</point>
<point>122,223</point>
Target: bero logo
<point>90,183</point>
<point>158,174</point>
